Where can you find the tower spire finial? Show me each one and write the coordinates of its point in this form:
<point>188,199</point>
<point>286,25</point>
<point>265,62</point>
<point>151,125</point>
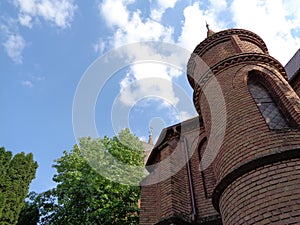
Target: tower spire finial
<point>209,31</point>
<point>150,141</point>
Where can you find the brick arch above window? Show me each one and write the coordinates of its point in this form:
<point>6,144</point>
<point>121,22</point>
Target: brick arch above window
<point>266,104</point>
<point>284,95</point>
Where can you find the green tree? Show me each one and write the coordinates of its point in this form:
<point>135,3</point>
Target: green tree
<point>83,196</point>
<point>16,173</point>
<point>29,214</point>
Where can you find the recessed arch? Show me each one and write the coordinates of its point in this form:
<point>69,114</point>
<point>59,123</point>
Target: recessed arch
<point>266,103</point>
<point>207,175</point>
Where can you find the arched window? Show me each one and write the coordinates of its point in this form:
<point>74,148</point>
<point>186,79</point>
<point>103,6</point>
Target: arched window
<point>208,176</point>
<point>266,104</point>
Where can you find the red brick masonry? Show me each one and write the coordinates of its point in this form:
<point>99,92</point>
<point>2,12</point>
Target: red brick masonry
<point>255,176</point>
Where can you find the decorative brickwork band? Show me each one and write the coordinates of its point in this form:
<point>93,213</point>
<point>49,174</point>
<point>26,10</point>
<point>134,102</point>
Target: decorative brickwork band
<point>249,58</point>
<point>225,35</point>
<point>249,166</point>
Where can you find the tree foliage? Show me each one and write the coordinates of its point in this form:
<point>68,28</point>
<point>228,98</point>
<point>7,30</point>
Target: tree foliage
<point>16,173</point>
<point>30,212</point>
<point>83,196</point>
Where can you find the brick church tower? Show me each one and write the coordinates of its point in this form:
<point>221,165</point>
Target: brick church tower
<point>238,162</point>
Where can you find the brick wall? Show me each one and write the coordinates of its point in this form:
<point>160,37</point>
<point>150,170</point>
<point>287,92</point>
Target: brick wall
<point>254,178</point>
<point>170,196</point>
<point>247,134</point>
<point>169,201</point>
<point>150,207</point>
<point>266,195</point>
<point>248,143</point>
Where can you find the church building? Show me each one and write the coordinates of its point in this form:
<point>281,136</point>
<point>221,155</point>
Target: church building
<point>238,161</point>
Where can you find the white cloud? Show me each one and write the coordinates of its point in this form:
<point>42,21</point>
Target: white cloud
<point>276,21</point>
<point>136,31</point>
<point>99,46</point>
<point>218,5</point>
<point>32,80</point>
<point>144,139</point>
<point>293,8</point>
<point>154,70</point>
<point>27,83</point>
<point>273,20</point>
<point>130,27</point>
<point>193,29</point>
<point>160,9</point>
<point>38,78</point>
<point>12,41</point>
<point>59,12</point>
<point>14,46</point>
<point>146,79</point>
<point>184,115</point>
<point>25,20</point>
<point>138,86</point>
<point>26,6</point>
<point>114,12</point>
<point>152,73</point>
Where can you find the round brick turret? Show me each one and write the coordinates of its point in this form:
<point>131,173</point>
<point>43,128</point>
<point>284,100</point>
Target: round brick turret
<point>241,88</point>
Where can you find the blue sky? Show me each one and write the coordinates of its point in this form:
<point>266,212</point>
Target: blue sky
<point>47,47</point>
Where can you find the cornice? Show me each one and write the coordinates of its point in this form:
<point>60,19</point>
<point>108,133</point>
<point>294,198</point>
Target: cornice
<point>225,35</point>
<point>173,132</point>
